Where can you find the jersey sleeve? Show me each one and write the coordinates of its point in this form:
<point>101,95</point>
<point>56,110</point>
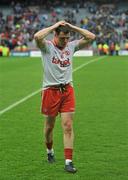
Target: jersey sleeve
<point>45,49</point>
<point>74,45</point>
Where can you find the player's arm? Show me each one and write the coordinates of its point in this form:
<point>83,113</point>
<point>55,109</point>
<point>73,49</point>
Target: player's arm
<point>87,35</point>
<point>40,35</point>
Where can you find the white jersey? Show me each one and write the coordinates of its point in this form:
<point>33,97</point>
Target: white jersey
<point>57,63</point>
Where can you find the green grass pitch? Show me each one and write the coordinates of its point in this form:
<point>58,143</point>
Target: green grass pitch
<point>100,122</point>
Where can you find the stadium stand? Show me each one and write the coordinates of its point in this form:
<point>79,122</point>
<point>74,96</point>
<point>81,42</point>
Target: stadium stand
<point>109,21</point>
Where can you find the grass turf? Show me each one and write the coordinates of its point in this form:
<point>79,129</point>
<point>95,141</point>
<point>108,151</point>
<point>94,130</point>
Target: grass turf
<point>100,122</point>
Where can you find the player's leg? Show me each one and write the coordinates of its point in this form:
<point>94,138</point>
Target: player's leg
<point>48,133</point>
<point>68,138</point>
<point>49,108</point>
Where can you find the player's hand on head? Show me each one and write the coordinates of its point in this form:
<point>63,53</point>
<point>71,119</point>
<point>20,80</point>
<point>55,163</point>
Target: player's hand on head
<point>68,24</point>
<point>62,23</point>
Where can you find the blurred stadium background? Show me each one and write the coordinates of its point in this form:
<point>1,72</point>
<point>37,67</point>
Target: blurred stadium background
<point>100,82</point>
<point>19,20</point>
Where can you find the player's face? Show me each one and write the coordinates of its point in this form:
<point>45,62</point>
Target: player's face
<point>62,39</point>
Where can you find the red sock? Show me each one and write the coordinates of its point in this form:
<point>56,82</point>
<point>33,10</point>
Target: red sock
<point>68,153</point>
<point>49,145</point>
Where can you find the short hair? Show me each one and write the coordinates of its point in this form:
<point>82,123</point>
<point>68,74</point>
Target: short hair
<point>64,29</point>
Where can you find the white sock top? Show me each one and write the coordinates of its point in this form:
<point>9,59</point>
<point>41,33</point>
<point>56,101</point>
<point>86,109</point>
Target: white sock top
<point>50,151</point>
<point>67,161</point>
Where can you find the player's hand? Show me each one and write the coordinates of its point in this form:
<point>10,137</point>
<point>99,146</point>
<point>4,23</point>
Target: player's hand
<point>62,23</point>
<point>69,25</point>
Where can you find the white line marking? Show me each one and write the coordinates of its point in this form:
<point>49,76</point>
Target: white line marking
<point>19,102</point>
<point>36,92</point>
<point>85,64</point>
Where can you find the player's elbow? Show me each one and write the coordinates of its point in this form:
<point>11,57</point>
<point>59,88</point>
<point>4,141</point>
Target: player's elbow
<point>36,37</point>
<point>93,36</point>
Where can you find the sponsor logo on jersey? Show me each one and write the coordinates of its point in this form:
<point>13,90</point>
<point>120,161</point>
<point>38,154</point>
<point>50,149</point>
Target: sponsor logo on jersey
<point>63,63</point>
<point>65,53</point>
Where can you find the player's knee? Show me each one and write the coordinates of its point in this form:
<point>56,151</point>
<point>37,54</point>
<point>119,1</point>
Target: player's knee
<point>49,128</point>
<point>68,127</point>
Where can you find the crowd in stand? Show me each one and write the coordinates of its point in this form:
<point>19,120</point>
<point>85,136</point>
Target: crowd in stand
<point>109,23</point>
<point>16,30</point>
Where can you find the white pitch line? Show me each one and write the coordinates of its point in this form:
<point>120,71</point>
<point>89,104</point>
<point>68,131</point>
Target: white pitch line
<point>19,102</point>
<point>85,64</point>
<point>36,92</point>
